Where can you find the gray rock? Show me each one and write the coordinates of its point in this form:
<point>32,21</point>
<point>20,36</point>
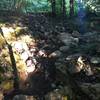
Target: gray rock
<point>64,48</point>
<point>20,46</point>
<point>95,60</point>
<point>54,95</point>
<point>67,39</point>
<point>94,33</point>
<point>23,97</point>
<point>61,93</point>
<point>93,90</point>
<point>58,64</point>
<point>88,71</point>
<point>91,37</point>
<point>19,97</point>
<point>90,34</point>
<point>73,56</point>
<point>74,69</point>
<point>76,64</point>
<point>46,33</point>
<point>56,54</point>
<point>61,67</point>
<point>76,34</point>
<point>62,59</point>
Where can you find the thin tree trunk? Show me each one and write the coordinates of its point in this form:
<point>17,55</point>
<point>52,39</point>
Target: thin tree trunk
<point>71,8</point>
<point>53,4</point>
<point>63,8</point>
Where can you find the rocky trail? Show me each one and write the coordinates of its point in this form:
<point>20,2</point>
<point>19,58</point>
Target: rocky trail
<point>47,59</point>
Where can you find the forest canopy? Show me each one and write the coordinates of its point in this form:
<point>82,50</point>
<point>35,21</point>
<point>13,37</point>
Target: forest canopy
<point>31,6</point>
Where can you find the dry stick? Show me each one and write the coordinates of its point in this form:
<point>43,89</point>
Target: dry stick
<point>16,82</point>
<point>15,72</point>
<point>17,90</point>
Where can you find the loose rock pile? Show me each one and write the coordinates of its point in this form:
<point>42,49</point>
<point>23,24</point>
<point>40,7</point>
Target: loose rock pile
<point>53,53</point>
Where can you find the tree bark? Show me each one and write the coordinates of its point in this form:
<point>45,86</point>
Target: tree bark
<point>53,4</point>
<point>71,8</point>
<point>63,8</point>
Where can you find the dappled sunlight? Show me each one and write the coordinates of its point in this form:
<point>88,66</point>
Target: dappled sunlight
<point>26,53</point>
<point>7,85</point>
<point>2,41</point>
<point>52,54</point>
<point>20,49</point>
<point>83,64</point>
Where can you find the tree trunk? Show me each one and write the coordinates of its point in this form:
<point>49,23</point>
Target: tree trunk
<point>53,4</point>
<point>63,8</point>
<point>71,8</point>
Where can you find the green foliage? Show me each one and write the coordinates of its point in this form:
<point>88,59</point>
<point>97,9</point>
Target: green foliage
<point>67,7</point>
<point>33,5</point>
<point>75,7</point>
<point>45,5</point>
<point>25,5</point>
<point>58,6</point>
<point>38,6</point>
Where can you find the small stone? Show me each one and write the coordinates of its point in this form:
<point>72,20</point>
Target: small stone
<point>88,71</point>
<point>74,56</point>
<point>62,59</point>
<point>20,46</point>
<point>55,54</point>
<point>24,56</point>
<point>95,60</point>
<point>57,64</point>
<point>61,67</point>
<point>64,48</point>
<point>46,33</point>
<point>53,85</point>
<point>68,39</point>
<point>42,53</point>
<point>75,34</point>
<point>19,97</point>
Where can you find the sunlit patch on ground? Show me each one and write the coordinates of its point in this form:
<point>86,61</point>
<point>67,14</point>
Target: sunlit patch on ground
<point>17,38</point>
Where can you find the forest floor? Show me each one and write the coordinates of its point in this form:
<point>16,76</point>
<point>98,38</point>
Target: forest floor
<point>55,50</point>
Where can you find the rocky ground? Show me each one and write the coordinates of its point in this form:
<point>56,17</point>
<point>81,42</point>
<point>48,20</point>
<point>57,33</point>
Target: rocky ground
<point>48,58</point>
